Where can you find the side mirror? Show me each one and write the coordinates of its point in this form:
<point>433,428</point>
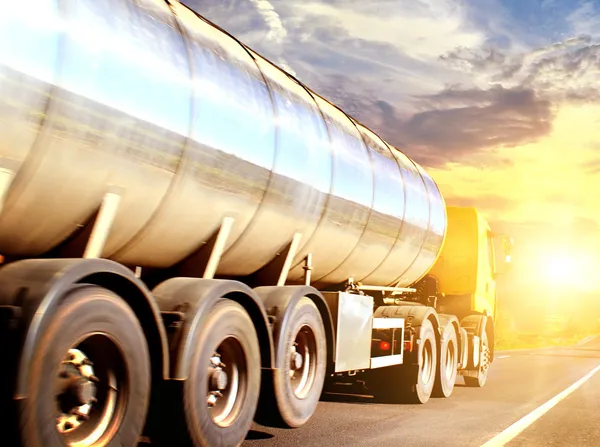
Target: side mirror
<point>507,246</point>
<point>503,248</point>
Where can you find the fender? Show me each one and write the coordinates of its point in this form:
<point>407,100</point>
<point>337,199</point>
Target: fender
<point>35,288</point>
<point>278,299</point>
<point>446,319</point>
<point>414,315</point>
<point>477,325</point>
<point>474,324</point>
<point>193,297</point>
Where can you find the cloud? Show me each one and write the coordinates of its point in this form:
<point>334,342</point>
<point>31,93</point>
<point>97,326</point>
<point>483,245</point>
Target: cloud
<point>578,232</point>
<point>585,19</point>
<point>459,122</point>
<point>257,23</point>
<point>277,31</point>
<point>421,29</point>
<point>567,70</point>
<point>475,59</point>
<point>454,125</point>
<point>592,167</point>
<point>491,203</point>
<point>440,79</point>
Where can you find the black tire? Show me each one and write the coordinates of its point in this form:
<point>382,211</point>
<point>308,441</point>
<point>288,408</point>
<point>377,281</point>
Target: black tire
<point>447,363</point>
<point>409,383</point>
<point>228,330</point>
<point>483,369</point>
<point>296,392</point>
<point>98,324</point>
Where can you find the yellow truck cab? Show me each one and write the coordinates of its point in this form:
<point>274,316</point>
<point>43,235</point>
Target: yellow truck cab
<point>466,267</point>
<point>462,281</point>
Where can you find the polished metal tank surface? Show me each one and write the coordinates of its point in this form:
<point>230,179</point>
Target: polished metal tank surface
<point>189,126</point>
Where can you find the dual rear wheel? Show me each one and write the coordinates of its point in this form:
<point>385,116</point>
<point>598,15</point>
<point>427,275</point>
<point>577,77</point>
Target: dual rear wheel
<point>220,398</point>
<point>447,362</point>
<point>413,381</point>
<point>223,386</point>
<point>432,372</point>
<point>89,383</point>
<point>481,372</point>
<point>221,394</point>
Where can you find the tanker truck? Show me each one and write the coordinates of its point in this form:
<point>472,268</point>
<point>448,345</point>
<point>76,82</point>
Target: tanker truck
<point>193,240</point>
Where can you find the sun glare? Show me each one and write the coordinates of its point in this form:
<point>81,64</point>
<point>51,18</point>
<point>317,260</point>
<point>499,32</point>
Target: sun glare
<point>568,268</point>
<point>562,268</point>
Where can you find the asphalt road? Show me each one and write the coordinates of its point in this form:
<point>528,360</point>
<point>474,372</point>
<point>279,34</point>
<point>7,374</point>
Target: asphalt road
<point>518,384</point>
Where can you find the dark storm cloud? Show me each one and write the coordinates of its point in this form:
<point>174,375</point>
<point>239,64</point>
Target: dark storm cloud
<point>454,123</point>
<point>475,119</point>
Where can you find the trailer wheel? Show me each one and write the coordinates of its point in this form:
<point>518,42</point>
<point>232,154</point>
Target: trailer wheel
<point>447,363</point>
<point>409,383</point>
<point>299,374</point>
<point>221,392</point>
<point>484,366</point>
<point>90,380</point>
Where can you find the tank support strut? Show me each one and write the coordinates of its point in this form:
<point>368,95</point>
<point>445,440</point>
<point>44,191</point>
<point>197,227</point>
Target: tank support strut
<point>6,178</point>
<point>291,253</point>
<point>103,223</point>
<point>218,248</point>
<point>308,267</point>
<point>277,270</point>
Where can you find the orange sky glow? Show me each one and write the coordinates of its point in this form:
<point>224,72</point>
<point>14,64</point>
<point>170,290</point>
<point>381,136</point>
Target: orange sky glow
<point>547,198</point>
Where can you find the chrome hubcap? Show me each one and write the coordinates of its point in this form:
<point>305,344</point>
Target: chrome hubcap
<point>227,377</point>
<point>450,368</point>
<point>303,362</point>
<point>78,391</point>
<point>88,393</point>
<point>485,357</point>
<point>427,369</point>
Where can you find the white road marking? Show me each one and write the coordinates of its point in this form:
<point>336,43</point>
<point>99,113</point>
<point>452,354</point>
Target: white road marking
<point>511,432</point>
<point>503,357</point>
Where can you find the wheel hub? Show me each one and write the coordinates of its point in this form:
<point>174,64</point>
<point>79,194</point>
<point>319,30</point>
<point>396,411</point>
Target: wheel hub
<point>303,362</point>
<point>295,360</point>
<point>226,377</point>
<point>76,378</point>
<point>219,379</point>
<point>485,358</point>
<point>82,391</point>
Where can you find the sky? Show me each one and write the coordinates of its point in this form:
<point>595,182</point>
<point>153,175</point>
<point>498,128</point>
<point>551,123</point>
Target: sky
<point>498,100</point>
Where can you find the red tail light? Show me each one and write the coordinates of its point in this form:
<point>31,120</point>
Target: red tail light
<point>385,345</point>
<point>408,345</point>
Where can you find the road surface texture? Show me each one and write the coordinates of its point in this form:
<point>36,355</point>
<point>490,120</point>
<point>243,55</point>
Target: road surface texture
<point>519,383</point>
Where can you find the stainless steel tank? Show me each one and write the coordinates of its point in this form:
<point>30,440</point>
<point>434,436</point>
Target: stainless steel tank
<point>189,126</point>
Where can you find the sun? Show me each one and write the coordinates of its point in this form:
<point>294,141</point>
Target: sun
<point>565,268</point>
<point>561,268</point>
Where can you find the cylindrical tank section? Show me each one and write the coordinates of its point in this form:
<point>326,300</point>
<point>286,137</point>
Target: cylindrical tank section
<point>189,126</point>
